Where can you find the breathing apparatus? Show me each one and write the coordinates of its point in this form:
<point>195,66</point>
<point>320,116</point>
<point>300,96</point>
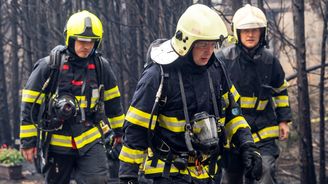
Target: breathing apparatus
<point>64,106</point>
<point>59,107</point>
<point>204,132</point>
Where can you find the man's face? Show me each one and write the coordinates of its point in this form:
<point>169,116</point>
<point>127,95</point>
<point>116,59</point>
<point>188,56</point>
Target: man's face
<point>83,48</point>
<point>202,52</point>
<point>250,37</point>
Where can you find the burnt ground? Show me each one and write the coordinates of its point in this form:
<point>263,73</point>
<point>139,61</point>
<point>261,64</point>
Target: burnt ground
<point>288,167</point>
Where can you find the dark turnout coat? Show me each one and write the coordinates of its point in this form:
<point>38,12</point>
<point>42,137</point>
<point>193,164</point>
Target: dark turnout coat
<point>73,73</point>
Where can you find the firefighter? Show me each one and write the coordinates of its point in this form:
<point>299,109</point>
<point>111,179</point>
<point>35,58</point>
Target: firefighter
<point>260,81</point>
<point>66,106</point>
<point>184,108</point>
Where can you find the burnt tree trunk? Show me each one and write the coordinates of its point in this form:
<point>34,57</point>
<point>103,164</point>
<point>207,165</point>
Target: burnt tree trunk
<point>5,133</point>
<point>15,85</point>
<point>322,173</point>
<point>306,155</point>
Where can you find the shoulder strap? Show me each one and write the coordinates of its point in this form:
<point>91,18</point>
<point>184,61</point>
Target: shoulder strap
<point>215,105</point>
<point>99,68</point>
<point>56,58</point>
<point>188,130</point>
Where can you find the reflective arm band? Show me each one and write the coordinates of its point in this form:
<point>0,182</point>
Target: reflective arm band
<point>111,93</point>
<point>139,117</point>
<point>266,133</point>
<point>281,101</point>
<point>30,96</point>
<point>131,155</point>
<point>27,131</point>
<point>233,125</point>
<point>116,122</point>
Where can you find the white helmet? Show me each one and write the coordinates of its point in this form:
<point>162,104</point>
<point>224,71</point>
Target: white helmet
<point>248,17</point>
<point>198,22</point>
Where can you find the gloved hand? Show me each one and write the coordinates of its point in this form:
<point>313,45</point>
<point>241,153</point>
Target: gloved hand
<point>116,148</point>
<point>252,161</point>
<point>129,181</point>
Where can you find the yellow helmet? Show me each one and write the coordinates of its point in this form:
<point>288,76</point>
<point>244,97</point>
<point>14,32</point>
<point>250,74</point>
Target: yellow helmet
<point>85,26</point>
<point>248,17</point>
<point>198,22</point>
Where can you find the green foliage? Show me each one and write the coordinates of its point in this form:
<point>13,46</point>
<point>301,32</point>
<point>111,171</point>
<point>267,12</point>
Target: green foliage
<point>10,156</point>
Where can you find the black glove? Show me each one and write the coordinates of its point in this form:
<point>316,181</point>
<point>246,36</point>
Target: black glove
<point>252,161</point>
<point>115,151</point>
<point>129,181</point>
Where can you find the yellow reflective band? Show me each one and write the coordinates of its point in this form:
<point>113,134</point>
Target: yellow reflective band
<point>30,96</point>
<point>87,137</point>
<point>111,93</point>
<point>226,100</point>
<point>282,87</point>
<point>203,174</point>
<point>116,122</point>
<point>61,140</point>
<point>281,101</point>
<point>233,125</point>
<point>140,118</point>
<point>158,169</point>
<point>235,93</point>
<point>222,120</point>
<point>82,101</point>
<point>131,155</point>
<point>93,102</point>
<point>171,123</point>
<point>247,102</point>
<point>27,131</point>
<point>266,133</point>
<point>261,105</point>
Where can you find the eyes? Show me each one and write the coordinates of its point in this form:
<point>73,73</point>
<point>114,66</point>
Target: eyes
<point>206,44</point>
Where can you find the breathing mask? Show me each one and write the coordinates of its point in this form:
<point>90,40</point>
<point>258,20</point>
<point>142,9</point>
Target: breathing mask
<point>205,130</point>
<point>64,106</point>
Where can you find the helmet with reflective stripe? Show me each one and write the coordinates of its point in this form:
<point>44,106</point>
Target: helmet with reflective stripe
<point>198,22</point>
<point>248,17</point>
<point>83,26</point>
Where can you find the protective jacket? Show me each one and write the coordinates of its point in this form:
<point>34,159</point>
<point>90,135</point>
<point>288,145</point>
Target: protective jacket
<point>260,81</point>
<point>74,72</point>
<point>169,120</point>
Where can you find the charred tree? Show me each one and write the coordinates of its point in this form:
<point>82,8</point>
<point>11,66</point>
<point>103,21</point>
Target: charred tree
<point>322,173</point>
<point>5,133</point>
<point>15,84</point>
<point>306,155</point>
